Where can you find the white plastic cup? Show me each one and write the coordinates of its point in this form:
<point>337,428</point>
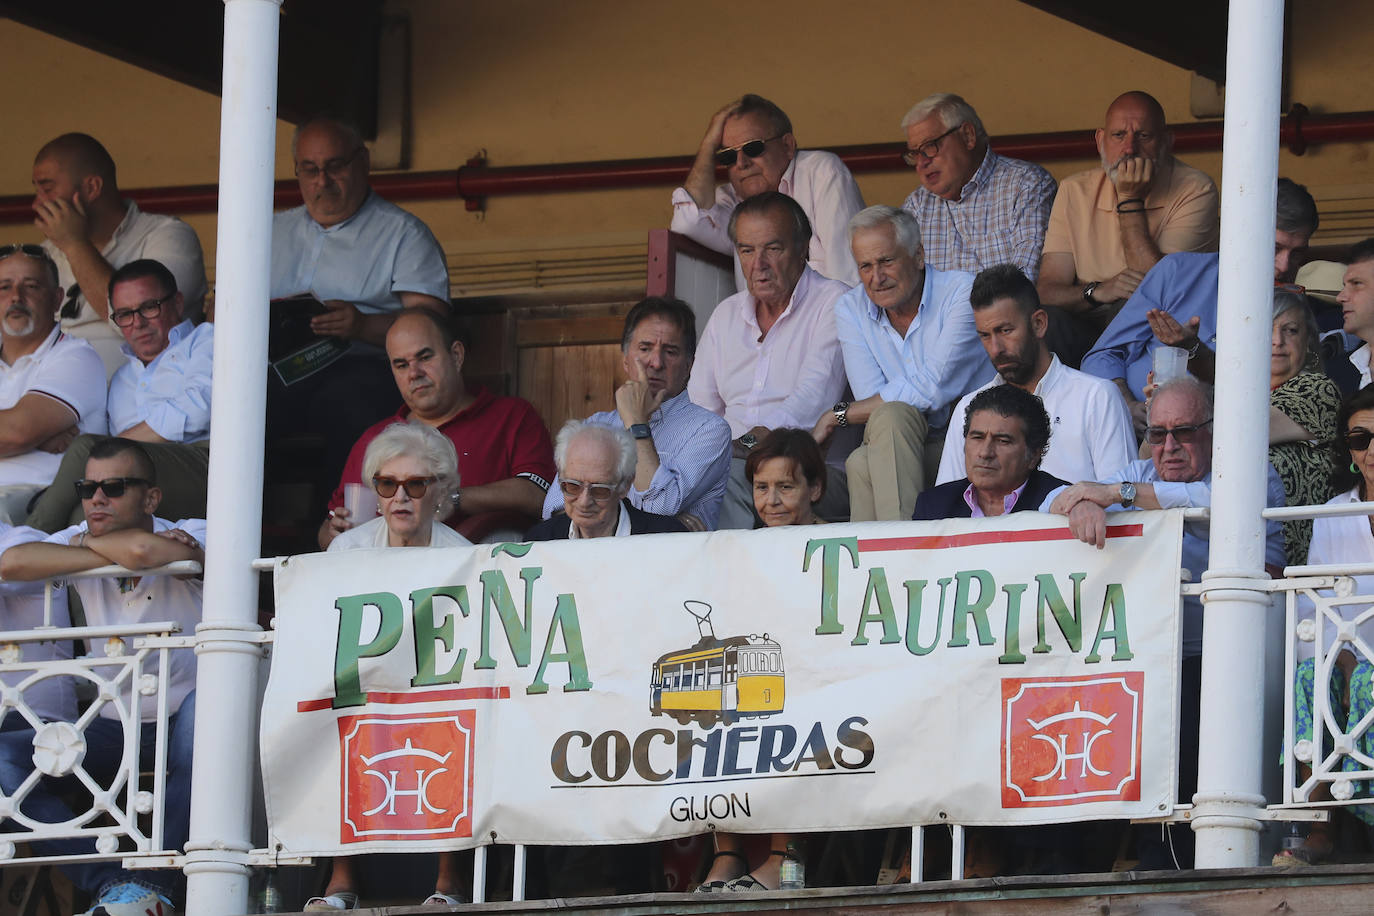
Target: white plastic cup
<point>1170,363</point>
<point>361,502</point>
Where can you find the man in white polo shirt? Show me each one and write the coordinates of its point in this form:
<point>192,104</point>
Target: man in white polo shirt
<point>1090,425</point>
<point>52,386</point>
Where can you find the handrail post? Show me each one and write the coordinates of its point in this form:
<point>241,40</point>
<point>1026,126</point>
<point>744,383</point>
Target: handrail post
<point>226,714</point>
<point>1226,819</point>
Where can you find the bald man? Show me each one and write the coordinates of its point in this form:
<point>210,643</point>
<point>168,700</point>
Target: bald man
<point>1110,225</point>
<point>91,231</point>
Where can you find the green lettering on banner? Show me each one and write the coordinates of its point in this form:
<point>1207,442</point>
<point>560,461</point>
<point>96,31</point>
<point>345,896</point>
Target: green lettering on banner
<point>877,592</point>
<point>914,596</point>
<point>978,610</point>
<point>830,578</point>
<point>496,594</point>
<point>1113,606</point>
<point>427,633</point>
<point>1070,623</point>
<point>1011,644</point>
<point>350,648</point>
<point>574,655</point>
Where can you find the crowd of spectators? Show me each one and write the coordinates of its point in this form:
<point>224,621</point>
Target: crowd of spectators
<point>984,348</point>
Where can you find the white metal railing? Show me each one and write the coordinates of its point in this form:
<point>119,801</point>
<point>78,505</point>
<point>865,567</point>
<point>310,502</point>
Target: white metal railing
<point>119,681</point>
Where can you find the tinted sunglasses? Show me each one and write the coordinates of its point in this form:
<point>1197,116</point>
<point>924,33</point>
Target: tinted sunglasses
<point>1183,435</point>
<point>114,487</point>
<point>415,487</point>
<point>34,251</point>
<point>600,492</point>
<point>1357,440</point>
<point>753,149</point>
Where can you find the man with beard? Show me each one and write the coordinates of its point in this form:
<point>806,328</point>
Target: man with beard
<point>1109,226</point>
<point>52,386</point>
<point>1091,435</point>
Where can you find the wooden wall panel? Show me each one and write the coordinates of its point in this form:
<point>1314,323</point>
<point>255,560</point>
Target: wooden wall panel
<point>569,382</point>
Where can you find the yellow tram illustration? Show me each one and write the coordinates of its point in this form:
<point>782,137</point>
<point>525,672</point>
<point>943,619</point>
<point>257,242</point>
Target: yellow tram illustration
<point>718,680</point>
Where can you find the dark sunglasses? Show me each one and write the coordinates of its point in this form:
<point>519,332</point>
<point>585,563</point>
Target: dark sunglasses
<point>415,487</point>
<point>34,251</point>
<point>113,486</point>
<point>1155,435</point>
<point>753,149</point>
<point>149,310</point>
<point>928,150</point>
<point>1357,440</point>
<point>600,492</point>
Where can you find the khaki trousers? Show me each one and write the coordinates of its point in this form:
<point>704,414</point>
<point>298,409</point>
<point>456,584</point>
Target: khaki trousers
<point>893,465</point>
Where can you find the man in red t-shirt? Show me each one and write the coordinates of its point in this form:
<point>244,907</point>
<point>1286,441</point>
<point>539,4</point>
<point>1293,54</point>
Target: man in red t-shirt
<point>505,457</point>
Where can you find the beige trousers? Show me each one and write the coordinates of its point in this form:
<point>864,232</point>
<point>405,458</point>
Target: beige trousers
<point>893,465</point>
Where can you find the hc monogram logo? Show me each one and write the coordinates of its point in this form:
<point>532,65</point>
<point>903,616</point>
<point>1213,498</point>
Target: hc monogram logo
<point>1071,740</point>
<point>406,777</point>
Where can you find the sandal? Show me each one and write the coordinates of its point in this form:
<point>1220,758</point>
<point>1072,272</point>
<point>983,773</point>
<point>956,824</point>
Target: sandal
<point>1315,850</point>
<point>748,883</point>
<point>715,887</point>
<point>439,898</point>
<point>335,902</point>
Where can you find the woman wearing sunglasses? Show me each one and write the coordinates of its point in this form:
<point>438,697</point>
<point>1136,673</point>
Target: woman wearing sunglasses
<point>414,469</point>
<point>1341,540</point>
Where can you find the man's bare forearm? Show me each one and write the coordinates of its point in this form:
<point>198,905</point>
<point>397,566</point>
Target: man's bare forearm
<point>514,494</point>
<point>31,562</point>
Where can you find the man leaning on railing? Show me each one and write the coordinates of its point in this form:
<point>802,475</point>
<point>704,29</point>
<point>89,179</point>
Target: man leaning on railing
<point>119,496</point>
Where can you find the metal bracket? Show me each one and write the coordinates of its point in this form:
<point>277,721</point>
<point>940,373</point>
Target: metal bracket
<point>1184,814</point>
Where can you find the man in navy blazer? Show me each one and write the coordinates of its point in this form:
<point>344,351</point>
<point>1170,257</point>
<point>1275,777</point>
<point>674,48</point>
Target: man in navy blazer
<point>596,465</point>
<point>1006,432</point>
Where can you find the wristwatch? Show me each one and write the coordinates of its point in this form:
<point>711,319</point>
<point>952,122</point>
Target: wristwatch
<point>641,430</point>
<point>1088,294</point>
<point>748,440</point>
<point>841,411</point>
<point>1127,494</point>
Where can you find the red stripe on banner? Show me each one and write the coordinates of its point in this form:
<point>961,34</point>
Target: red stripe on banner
<point>427,696</point>
<point>937,542</point>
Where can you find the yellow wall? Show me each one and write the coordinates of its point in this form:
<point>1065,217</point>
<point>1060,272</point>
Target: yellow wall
<point>536,81</point>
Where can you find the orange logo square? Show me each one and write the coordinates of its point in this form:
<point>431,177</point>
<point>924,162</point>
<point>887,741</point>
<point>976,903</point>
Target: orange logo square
<point>1071,740</point>
<point>406,777</point>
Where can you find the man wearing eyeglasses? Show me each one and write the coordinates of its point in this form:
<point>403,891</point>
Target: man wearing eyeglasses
<point>367,260</point>
<point>752,139</point>
<point>120,497</point>
<point>52,385</point>
<point>1109,226</point>
<point>976,208</point>
<point>596,466</point>
<point>160,396</point>
<point>91,231</point>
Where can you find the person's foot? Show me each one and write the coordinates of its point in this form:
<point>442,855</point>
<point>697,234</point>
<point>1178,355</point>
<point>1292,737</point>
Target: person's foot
<point>1315,850</point>
<point>332,901</point>
<point>767,877</point>
<point>726,866</point>
<point>439,898</point>
<point>130,899</point>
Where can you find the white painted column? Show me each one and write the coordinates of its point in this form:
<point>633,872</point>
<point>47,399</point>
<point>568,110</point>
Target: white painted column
<point>1229,764</point>
<point>226,717</point>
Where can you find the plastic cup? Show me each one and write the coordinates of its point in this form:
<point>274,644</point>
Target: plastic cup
<point>361,502</point>
<point>1170,363</point>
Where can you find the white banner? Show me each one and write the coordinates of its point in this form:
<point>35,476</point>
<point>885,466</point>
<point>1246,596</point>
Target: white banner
<point>801,679</point>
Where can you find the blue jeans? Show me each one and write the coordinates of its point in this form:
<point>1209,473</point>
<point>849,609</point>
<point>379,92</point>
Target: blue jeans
<point>104,748</point>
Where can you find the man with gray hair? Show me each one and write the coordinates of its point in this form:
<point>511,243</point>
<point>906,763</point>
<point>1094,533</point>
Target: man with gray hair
<point>975,208</point>
<point>910,351</point>
<point>596,466</point>
<point>751,138</point>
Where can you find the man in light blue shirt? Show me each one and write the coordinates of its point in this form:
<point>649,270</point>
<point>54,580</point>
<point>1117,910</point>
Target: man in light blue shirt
<point>910,351</point>
<point>160,396</point>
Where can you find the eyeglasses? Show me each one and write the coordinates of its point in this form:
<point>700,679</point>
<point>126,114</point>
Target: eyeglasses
<point>599,492</point>
<point>34,251</point>
<point>415,487</point>
<point>113,486</point>
<point>928,150</point>
<point>334,168</point>
<point>149,310</point>
<point>1155,435</point>
<point>753,149</point>
<point>1357,440</point>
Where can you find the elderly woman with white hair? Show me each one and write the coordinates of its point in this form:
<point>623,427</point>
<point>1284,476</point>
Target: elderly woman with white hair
<point>414,469</point>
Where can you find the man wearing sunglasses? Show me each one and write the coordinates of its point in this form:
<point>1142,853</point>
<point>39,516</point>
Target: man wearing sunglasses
<point>52,386</point>
<point>120,497</point>
<point>751,138</point>
<point>596,467</point>
<point>1110,225</point>
<point>160,396</point>
<point>91,231</point>
<point>1178,474</point>
<point>976,208</point>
